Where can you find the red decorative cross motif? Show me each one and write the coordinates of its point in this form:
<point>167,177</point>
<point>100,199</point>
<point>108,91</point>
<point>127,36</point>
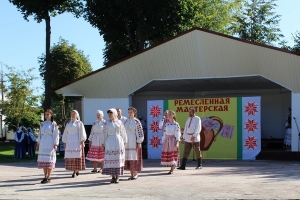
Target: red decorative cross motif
<point>155,141</point>
<point>250,142</point>
<point>251,108</point>
<point>251,126</point>
<point>154,127</point>
<point>155,111</point>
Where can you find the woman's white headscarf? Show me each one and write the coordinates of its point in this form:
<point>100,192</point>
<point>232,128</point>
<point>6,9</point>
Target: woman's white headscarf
<point>115,113</point>
<point>100,112</point>
<point>78,116</point>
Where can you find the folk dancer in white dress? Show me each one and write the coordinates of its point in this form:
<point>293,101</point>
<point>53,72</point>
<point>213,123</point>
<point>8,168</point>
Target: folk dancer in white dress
<point>170,148</point>
<point>288,130</point>
<point>73,138</point>
<point>20,149</point>
<point>96,138</point>
<point>133,148</point>
<point>48,139</point>
<point>115,140</point>
<point>120,117</point>
<point>191,137</point>
<point>31,142</point>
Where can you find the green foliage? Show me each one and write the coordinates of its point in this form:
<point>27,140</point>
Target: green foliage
<point>68,64</point>
<point>130,26</point>
<point>258,22</point>
<point>41,9</point>
<point>296,38</point>
<point>20,105</point>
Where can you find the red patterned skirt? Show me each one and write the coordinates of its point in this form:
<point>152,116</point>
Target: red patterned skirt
<point>170,154</point>
<point>135,165</point>
<point>95,154</point>
<point>75,163</point>
<point>48,165</point>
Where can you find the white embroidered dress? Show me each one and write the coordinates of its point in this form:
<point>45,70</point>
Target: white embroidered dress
<point>170,154</point>
<point>97,138</point>
<point>74,133</point>
<point>48,137</point>
<point>114,137</point>
<point>135,135</point>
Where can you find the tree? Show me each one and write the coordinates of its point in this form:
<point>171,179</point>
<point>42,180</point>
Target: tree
<point>258,22</point>
<point>130,26</point>
<point>43,10</point>
<point>20,105</point>
<point>69,64</point>
<point>296,38</point>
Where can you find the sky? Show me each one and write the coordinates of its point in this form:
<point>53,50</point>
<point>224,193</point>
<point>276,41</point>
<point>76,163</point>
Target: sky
<point>22,42</point>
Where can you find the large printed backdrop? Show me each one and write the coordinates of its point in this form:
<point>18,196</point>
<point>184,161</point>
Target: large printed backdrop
<point>230,126</point>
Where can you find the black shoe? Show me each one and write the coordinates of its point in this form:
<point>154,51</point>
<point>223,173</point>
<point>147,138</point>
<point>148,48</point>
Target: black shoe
<point>77,173</point>
<point>73,175</point>
<point>199,166</point>
<point>113,180</point>
<point>44,181</point>
<point>183,164</point>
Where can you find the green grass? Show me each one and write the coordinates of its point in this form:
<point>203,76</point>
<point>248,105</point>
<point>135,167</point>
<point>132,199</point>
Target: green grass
<point>7,155</point>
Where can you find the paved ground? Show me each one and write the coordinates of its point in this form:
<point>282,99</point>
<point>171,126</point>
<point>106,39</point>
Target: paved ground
<point>218,179</point>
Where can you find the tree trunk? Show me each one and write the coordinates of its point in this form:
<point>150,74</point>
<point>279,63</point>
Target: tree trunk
<point>48,92</point>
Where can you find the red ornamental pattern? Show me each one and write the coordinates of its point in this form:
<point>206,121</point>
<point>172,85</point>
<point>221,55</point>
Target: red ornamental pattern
<point>155,141</point>
<point>154,127</point>
<point>251,126</point>
<point>155,111</point>
<point>251,108</point>
<point>250,142</point>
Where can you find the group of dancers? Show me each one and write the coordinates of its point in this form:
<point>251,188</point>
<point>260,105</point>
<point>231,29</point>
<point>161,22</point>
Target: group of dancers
<point>115,144</point>
<point>24,142</point>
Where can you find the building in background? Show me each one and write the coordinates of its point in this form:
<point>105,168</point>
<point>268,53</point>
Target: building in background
<point>197,64</point>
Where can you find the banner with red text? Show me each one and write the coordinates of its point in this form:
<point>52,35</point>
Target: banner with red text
<point>227,130</point>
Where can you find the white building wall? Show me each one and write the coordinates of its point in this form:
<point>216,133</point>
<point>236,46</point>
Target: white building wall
<point>90,106</point>
<point>295,118</point>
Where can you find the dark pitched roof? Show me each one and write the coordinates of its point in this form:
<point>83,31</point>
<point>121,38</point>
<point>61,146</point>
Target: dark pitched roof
<point>172,38</point>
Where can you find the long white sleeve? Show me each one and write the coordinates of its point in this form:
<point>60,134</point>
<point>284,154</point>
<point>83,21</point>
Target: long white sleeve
<point>65,134</point>
<point>82,133</point>
<point>55,134</point>
<point>184,136</point>
<point>92,133</point>
<point>198,127</point>
<point>105,133</point>
<point>177,132</point>
<point>139,131</point>
<point>161,124</point>
<point>40,134</point>
<point>123,132</point>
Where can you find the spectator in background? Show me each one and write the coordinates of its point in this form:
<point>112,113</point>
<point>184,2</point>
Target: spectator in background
<point>20,148</point>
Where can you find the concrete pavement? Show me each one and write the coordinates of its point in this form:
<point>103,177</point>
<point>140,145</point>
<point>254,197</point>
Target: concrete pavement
<point>217,179</point>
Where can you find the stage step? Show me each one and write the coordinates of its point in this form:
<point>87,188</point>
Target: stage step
<point>278,155</point>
